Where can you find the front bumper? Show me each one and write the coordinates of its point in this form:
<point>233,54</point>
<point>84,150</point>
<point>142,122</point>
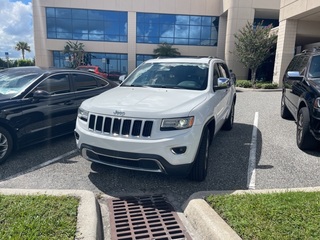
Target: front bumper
<point>148,154</point>
<point>133,161</point>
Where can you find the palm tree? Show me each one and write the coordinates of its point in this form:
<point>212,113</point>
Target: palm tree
<point>75,52</point>
<point>22,46</point>
<point>166,50</point>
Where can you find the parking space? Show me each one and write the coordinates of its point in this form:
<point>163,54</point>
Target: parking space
<point>278,161</point>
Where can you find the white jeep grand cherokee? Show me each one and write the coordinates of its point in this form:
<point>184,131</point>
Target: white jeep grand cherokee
<point>162,118</point>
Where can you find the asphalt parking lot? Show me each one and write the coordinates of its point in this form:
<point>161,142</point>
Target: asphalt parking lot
<point>258,153</point>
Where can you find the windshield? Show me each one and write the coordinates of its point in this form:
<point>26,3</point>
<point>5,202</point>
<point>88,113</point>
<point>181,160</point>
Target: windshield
<point>169,75</point>
<point>13,82</point>
<point>314,71</point>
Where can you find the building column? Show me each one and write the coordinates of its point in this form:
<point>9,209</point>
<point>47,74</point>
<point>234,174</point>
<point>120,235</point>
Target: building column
<point>238,17</point>
<point>132,36</point>
<point>285,48</point>
<point>222,37</point>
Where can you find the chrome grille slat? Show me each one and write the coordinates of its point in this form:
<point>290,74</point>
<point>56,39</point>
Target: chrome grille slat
<point>116,126</point>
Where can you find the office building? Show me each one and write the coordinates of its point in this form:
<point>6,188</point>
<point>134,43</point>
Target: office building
<point>120,34</point>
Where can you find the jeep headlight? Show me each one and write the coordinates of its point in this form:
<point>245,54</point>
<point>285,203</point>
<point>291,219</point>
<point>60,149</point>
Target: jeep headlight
<point>316,103</point>
<point>176,123</point>
<point>83,114</point>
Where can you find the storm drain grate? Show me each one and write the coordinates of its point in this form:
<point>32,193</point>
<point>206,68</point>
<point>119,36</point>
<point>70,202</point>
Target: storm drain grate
<point>146,217</point>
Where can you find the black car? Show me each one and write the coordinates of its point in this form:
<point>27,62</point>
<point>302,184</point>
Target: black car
<point>39,104</point>
<point>301,98</point>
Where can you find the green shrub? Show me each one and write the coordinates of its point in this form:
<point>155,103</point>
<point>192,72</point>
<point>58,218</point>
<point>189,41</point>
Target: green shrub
<point>270,86</point>
<point>258,85</point>
<point>24,62</point>
<point>244,83</point>
<point>266,85</point>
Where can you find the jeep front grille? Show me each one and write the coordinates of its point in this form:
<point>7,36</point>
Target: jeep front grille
<point>120,126</point>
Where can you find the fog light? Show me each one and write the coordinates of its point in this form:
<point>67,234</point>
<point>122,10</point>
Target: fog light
<point>178,150</point>
<point>76,135</point>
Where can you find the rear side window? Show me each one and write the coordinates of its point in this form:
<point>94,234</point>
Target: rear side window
<point>84,82</point>
<point>55,84</point>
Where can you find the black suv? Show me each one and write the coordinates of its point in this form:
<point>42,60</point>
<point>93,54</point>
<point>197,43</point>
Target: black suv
<point>301,97</point>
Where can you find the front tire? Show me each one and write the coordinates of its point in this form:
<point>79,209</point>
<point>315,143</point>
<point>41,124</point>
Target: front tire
<point>6,144</point>
<point>229,122</point>
<point>305,139</point>
<point>200,166</point>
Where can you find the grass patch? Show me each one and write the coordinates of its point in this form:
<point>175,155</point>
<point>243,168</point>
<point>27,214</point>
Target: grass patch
<point>38,217</point>
<point>288,215</point>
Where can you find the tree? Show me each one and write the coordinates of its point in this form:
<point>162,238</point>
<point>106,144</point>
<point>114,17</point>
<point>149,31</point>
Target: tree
<point>253,46</point>
<point>75,52</point>
<point>22,46</point>
<point>166,50</point>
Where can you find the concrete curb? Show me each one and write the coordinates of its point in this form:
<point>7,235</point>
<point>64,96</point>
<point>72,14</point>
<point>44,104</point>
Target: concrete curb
<point>89,225</point>
<point>209,224</point>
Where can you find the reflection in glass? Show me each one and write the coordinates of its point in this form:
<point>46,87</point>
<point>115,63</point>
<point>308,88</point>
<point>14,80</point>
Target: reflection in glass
<point>117,62</point>
<point>177,29</point>
<point>75,24</point>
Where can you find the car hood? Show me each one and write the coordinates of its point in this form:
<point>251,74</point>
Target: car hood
<point>315,83</point>
<point>145,102</point>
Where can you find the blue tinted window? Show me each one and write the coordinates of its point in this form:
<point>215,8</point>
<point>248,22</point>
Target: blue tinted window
<point>117,62</point>
<point>140,58</point>
<point>50,12</point>
<point>63,13</point>
<point>82,24</point>
<point>177,29</point>
<point>79,14</point>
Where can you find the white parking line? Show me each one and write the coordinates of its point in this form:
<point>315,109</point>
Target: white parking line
<point>40,165</point>
<point>251,181</point>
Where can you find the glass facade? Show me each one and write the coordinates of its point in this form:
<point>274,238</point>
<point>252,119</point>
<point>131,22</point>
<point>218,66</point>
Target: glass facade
<point>89,25</point>
<point>111,26</point>
<point>107,62</point>
<point>140,58</point>
<point>177,29</point>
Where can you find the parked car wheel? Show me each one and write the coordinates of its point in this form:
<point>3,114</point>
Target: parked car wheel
<point>229,122</point>
<point>285,113</point>
<point>6,144</point>
<point>200,167</point>
<point>305,139</point>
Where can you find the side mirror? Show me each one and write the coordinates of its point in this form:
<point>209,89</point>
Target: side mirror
<point>41,94</point>
<point>294,75</point>
<point>122,78</point>
<point>223,83</point>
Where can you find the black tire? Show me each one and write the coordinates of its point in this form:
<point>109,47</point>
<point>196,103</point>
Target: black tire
<point>285,113</point>
<point>6,144</point>
<point>200,166</point>
<point>305,139</point>
<point>229,122</point>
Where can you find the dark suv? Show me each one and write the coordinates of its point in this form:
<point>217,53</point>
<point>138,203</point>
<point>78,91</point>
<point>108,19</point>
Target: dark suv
<point>301,97</point>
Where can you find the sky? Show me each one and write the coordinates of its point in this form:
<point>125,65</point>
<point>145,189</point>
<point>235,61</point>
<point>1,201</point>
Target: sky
<point>16,25</point>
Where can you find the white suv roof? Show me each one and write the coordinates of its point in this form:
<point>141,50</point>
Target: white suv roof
<point>184,59</point>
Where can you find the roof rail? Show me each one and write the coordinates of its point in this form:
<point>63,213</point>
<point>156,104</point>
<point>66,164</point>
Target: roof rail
<point>316,49</point>
<point>305,51</point>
